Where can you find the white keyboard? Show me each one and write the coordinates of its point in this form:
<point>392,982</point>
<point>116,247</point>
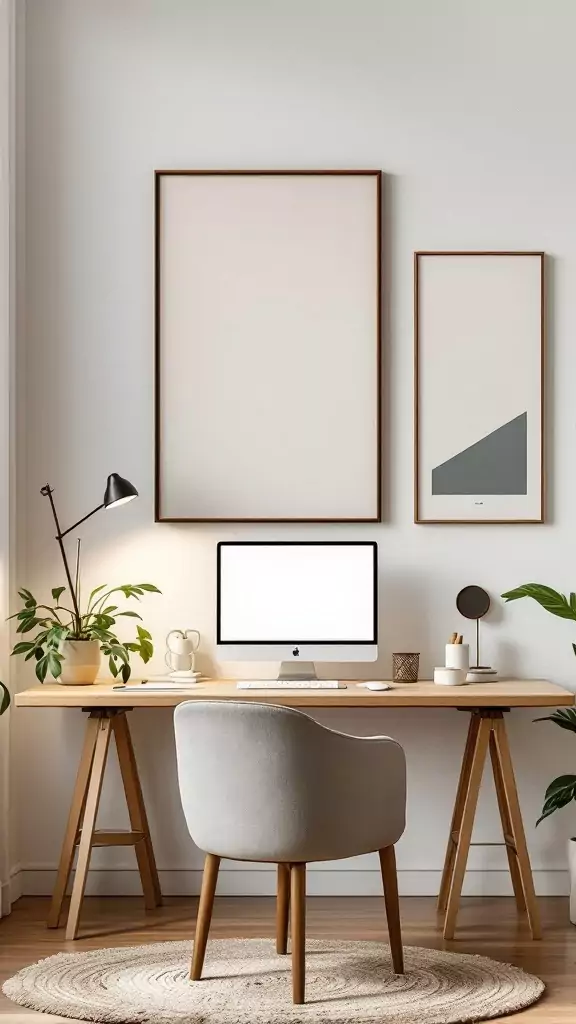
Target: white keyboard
<point>290,684</point>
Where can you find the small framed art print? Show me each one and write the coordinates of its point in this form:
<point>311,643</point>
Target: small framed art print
<point>479,387</point>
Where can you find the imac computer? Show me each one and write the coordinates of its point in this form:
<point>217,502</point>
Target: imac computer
<point>297,603</point>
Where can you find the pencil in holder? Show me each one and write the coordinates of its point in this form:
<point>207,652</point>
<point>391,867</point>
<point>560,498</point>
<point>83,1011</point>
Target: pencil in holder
<point>405,668</point>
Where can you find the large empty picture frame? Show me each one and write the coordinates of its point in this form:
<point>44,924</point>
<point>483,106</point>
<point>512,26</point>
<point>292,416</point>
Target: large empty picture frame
<point>479,351</point>
<point>268,311</point>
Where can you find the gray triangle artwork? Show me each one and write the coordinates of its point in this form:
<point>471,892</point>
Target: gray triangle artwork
<point>497,464</point>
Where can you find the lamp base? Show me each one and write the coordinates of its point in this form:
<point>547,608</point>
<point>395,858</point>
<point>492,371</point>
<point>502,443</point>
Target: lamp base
<point>185,674</point>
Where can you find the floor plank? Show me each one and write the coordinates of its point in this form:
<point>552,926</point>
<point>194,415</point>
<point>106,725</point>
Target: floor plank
<point>490,926</point>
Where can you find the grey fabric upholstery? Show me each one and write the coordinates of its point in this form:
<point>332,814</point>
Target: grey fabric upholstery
<point>266,783</point>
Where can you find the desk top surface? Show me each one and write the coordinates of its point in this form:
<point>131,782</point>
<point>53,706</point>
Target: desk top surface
<point>511,693</point>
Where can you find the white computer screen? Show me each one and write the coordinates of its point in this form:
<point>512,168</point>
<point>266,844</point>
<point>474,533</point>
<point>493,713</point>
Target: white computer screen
<point>296,593</point>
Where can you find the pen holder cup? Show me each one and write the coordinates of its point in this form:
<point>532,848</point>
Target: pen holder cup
<point>405,668</point>
<point>458,656</point>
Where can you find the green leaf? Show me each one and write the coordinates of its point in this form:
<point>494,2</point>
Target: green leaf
<point>119,652</point>
<point>112,666</point>
<point>102,622</point>
<point>125,672</point>
<point>27,625</point>
<point>101,634</point>
<point>23,646</point>
<point>561,783</point>
<point>149,587</point>
<point>546,814</point>
<point>42,667</point>
<point>97,591</point>
<point>54,664</point>
<point>4,698</point>
<point>559,793</point>
<point>56,592</point>
<point>549,599</point>
<point>564,717</point>
<point>143,633</point>
<point>32,653</point>
<point>56,634</point>
<point>132,615</point>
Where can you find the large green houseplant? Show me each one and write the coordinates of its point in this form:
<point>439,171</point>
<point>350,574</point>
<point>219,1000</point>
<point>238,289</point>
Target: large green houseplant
<point>562,790</point>
<point>58,632</point>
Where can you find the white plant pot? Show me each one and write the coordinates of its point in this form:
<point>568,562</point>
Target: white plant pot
<point>80,662</point>
<point>572,866</point>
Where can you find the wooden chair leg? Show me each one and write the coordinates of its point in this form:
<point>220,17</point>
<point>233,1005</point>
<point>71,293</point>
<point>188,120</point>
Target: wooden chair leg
<point>456,822</point>
<point>137,812</point>
<point>298,918</point>
<point>390,883</point>
<point>209,880</point>
<point>517,826</point>
<point>506,824</point>
<point>282,908</point>
<point>88,825</point>
<point>465,833</point>
<point>74,822</point>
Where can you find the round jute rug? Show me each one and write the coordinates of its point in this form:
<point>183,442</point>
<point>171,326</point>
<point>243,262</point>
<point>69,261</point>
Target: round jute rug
<point>245,982</point>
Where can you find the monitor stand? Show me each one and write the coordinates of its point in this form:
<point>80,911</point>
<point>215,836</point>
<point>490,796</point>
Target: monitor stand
<point>297,670</point>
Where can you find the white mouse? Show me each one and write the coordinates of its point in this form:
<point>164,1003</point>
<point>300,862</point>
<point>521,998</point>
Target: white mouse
<point>377,686</point>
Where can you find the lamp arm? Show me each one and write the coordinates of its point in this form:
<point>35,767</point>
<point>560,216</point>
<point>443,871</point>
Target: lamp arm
<point>83,520</point>
<point>47,492</point>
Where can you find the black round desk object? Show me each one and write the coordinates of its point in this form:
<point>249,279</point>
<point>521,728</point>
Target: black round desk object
<point>473,602</point>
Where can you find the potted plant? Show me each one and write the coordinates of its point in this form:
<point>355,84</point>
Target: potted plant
<point>68,645</point>
<point>563,789</point>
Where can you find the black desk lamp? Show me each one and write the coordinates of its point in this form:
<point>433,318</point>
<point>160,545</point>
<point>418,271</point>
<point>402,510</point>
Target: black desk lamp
<point>118,492</point>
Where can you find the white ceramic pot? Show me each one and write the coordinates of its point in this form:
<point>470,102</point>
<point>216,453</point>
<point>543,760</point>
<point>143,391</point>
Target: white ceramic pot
<point>572,866</point>
<point>80,662</point>
<point>449,676</point>
<point>458,656</point>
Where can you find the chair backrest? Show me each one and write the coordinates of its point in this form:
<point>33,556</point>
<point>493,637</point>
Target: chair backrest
<point>260,782</point>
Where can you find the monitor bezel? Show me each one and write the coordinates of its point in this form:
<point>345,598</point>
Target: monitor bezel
<point>296,641</point>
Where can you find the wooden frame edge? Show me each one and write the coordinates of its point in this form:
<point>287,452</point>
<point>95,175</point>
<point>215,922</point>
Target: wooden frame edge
<point>416,388</point>
<point>160,173</point>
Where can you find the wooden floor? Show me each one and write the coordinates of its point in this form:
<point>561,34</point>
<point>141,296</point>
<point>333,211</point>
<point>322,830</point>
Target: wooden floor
<point>489,926</point>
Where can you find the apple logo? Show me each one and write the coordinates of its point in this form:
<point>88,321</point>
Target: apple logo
<point>296,652</point>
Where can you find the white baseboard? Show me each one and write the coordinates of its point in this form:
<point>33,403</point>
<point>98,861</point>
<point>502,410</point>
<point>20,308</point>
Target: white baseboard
<point>35,881</point>
<point>11,890</point>
<point>15,883</point>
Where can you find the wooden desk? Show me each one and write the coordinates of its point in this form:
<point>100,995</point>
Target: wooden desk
<point>107,714</point>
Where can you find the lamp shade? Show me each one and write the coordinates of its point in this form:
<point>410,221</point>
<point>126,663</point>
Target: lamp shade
<point>118,491</point>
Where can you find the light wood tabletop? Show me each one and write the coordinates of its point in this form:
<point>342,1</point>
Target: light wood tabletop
<point>506,693</point>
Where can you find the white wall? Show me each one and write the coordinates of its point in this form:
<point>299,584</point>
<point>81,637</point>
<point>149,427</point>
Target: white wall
<point>468,108</point>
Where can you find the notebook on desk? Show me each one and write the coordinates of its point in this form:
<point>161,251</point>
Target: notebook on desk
<point>162,685</point>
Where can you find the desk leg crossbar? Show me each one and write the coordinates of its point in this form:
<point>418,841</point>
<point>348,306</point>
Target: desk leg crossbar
<point>487,732</point>
<point>81,829</point>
